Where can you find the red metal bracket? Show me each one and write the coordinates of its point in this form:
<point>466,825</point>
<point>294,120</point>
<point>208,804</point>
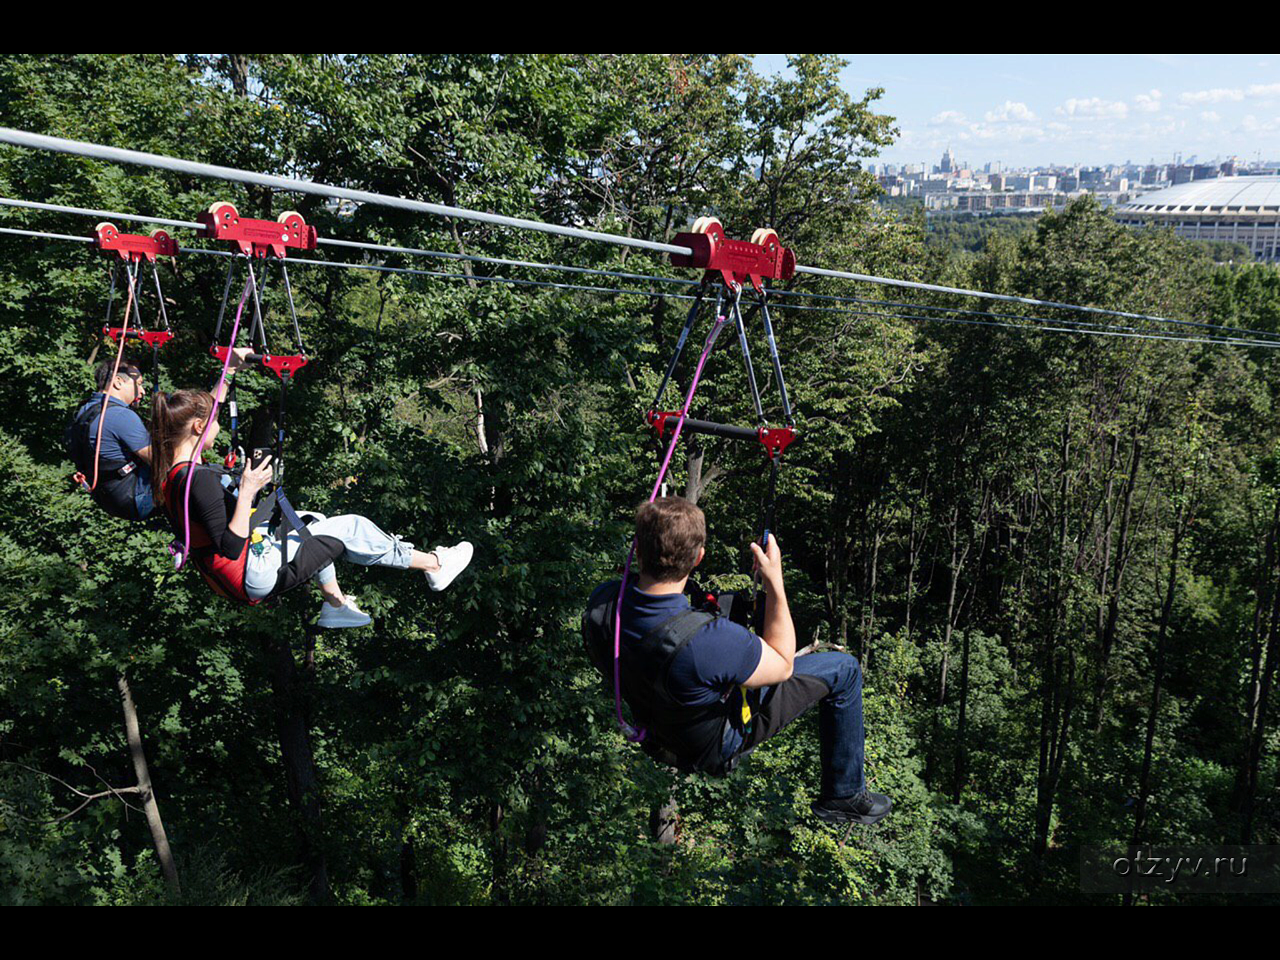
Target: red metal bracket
<point>282,366</point>
<point>737,261</point>
<point>152,338</point>
<point>658,420</point>
<point>776,440</point>
<point>258,238</point>
<point>134,247</point>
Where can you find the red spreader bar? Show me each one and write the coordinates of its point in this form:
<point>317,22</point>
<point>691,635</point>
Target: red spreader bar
<point>774,440</point>
<point>282,366</point>
<point>134,247</point>
<point>737,261</point>
<point>152,338</point>
<point>258,238</point>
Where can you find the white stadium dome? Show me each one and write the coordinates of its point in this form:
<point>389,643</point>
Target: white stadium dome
<point>1244,210</point>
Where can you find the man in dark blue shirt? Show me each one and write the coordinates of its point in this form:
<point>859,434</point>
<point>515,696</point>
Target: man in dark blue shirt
<point>689,680</point>
<point>122,462</point>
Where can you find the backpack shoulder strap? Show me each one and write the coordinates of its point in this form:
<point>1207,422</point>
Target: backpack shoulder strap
<point>681,628</point>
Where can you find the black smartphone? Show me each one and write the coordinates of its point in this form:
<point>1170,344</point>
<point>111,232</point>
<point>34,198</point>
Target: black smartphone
<point>258,456</point>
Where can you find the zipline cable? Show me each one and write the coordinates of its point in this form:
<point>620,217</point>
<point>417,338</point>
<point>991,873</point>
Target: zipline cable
<point>90,212</point>
<point>1240,332</point>
<point>356,244</point>
<point>1031,324</point>
<point>36,141</point>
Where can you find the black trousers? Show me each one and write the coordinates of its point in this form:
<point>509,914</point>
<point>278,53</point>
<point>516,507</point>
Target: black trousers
<point>314,554</point>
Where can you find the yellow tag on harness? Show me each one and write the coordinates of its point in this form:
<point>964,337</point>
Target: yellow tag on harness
<point>255,537</point>
<point>746,707</point>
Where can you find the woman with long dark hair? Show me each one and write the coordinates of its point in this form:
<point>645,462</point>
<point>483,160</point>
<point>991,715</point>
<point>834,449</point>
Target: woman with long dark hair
<point>246,565</point>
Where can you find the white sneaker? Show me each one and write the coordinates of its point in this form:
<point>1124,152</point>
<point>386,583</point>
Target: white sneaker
<point>453,560</point>
<point>340,618</point>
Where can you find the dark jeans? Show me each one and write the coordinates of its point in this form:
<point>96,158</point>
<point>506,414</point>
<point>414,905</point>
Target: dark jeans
<point>834,682</point>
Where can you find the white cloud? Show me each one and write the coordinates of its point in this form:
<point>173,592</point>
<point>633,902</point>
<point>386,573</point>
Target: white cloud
<point>946,118</point>
<point>1216,95</point>
<point>1268,91</point>
<point>1252,125</point>
<point>1210,116</point>
<point>1148,102</point>
<point>1011,112</point>
<point>1094,108</point>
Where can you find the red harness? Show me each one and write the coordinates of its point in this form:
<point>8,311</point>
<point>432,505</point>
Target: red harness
<point>224,577</point>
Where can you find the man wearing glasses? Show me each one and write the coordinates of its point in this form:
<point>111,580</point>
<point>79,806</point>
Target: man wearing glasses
<point>123,461</point>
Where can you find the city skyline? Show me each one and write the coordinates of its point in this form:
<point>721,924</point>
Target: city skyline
<point>1091,109</point>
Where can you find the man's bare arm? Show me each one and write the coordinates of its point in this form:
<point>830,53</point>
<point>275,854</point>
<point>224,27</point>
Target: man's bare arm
<point>778,644</point>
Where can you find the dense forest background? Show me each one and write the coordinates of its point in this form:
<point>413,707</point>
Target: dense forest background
<point>1057,556</point>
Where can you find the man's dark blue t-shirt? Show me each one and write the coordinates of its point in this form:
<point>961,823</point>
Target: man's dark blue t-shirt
<point>123,435</point>
<point>721,656</point>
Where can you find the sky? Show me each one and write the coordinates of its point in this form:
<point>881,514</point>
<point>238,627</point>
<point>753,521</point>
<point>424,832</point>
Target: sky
<point>1094,108</point>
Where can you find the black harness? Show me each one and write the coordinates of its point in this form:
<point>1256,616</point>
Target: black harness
<point>679,735</point>
<point>118,479</point>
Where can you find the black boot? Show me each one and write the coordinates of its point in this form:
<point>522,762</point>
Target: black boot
<point>867,808</point>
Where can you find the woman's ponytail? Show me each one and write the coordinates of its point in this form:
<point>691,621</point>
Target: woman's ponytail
<point>170,415</point>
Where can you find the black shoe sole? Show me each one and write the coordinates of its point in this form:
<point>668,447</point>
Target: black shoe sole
<point>835,816</point>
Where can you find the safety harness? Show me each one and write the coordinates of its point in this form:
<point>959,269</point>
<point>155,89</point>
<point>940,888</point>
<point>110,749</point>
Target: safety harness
<point>729,266</point>
<point>679,735</point>
<point>113,483</point>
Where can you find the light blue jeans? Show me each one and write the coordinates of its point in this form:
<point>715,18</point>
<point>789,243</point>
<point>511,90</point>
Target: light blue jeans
<point>365,543</point>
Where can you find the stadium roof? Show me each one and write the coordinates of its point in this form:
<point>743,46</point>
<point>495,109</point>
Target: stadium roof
<point>1224,195</point>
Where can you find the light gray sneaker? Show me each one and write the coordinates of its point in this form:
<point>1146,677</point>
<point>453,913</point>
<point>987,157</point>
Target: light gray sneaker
<point>343,617</point>
<point>453,560</point>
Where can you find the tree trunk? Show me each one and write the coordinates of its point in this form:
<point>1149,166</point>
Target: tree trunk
<point>289,688</point>
<point>664,823</point>
<point>1157,687</point>
<point>150,808</point>
<point>1107,639</point>
<point>1260,694</point>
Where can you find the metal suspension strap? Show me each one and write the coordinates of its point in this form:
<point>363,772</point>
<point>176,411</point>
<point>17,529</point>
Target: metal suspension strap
<point>683,338</point>
<point>773,357</point>
<point>162,315</point>
<point>768,521</point>
<point>746,355</point>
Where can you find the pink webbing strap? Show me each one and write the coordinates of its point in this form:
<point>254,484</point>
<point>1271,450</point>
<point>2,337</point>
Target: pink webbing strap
<point>637,734</point>
<point>180,556</point>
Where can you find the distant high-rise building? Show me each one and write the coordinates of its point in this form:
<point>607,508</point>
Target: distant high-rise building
<point>948,164</point>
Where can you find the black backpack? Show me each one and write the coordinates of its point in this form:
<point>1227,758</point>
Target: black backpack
<point>686,737</point>
<point>117,479</point>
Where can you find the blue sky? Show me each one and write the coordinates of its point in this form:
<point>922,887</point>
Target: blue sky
<point>1092,108</point>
